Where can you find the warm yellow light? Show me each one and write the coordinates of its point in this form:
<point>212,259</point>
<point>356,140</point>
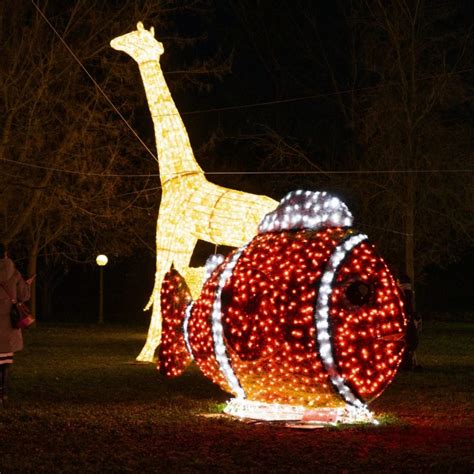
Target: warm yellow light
<point>101,260</point>
<point>191,207</point>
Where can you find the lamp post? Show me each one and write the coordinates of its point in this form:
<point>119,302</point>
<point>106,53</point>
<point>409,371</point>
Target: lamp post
<point>101,260</point>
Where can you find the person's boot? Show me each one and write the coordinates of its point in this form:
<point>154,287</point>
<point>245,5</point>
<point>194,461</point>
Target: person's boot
<point>3,385</point>
<point>2,379</point>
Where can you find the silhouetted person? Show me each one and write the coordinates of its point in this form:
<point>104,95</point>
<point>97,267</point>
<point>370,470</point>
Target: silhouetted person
<point>12,287</point>
<point>409,361</point>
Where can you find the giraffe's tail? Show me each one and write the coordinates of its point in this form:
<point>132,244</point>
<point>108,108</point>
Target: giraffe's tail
<point>151,300</point>
<point>173,354</point>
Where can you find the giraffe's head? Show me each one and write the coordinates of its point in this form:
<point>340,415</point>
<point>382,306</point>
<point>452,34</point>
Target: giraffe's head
<point>141,44</point>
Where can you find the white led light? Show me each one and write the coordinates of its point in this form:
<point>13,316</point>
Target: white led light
<point>187,315</point>
<point>280,412</point>
<point>212,263</point>
<point>322,319</point>
<point>243,408</point>
<point>327,277</point>
<point>218,331</point>
<point>304,210</point>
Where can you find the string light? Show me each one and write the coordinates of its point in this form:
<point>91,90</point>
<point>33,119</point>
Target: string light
<point>189,308</point>
<point>191,207</point>
<point>175,350</point>
<point>217,328</point>
<point>322,318</point>
<point>305,316</point>
<point>233,173</point>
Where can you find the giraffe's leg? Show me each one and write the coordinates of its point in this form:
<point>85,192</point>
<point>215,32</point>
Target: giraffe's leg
<point>193,276</point>
<point>175,243</point>
<point>166,247</point>
<point>163,262</point>
<point>183,254</point>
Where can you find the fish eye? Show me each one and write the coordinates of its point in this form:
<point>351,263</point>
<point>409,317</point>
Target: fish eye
<point>358,293</point>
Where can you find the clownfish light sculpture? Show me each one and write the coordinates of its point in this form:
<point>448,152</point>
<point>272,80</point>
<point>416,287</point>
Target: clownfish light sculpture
<point>305,317</point>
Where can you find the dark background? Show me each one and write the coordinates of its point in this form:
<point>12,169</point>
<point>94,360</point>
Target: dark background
<point>269,47</point>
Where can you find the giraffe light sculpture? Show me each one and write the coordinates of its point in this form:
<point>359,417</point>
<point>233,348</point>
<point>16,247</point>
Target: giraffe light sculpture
<point>191,207</point>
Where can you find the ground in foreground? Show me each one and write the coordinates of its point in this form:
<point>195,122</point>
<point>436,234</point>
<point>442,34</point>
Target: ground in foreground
<point>78,403</point>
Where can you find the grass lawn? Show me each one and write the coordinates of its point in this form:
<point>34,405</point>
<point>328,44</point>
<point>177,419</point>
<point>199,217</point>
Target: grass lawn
<point>78,404</point>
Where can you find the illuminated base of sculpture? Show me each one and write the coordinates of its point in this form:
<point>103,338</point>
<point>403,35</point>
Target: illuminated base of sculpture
<point>250,409</point>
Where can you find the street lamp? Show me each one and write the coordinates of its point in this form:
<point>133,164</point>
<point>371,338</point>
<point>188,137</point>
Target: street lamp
<point>101,260</point>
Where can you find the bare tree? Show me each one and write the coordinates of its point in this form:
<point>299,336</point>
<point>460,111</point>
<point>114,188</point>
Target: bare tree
<point>392,104</point>
<point>411,122</point>
<point>74,179</point>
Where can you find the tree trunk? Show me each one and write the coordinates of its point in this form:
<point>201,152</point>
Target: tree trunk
<point>409,229</point>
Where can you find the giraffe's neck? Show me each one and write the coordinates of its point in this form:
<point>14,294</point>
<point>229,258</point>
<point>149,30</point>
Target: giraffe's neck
<point>175,155</point>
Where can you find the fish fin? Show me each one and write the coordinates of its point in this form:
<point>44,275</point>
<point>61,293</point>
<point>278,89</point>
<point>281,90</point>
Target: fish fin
<point>306,210</point>
<point>173,354</point>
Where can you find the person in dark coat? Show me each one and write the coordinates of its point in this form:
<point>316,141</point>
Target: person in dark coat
<point>409,361</point>
<point>12,286</point>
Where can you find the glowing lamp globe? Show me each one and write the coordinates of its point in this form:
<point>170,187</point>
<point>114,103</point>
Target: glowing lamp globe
<point>305,316</point>
<point>101,260</point>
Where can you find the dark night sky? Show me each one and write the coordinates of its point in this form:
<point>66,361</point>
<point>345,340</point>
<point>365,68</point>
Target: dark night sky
<point>249,82</point>
<point>277,50</point>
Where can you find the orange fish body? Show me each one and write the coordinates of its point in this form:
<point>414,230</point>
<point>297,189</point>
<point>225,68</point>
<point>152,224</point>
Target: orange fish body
<point>306,314</point>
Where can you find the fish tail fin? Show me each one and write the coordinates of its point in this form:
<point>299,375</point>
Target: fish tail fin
<point>173,354</point>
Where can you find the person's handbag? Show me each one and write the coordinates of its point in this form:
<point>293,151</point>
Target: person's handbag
<point>20,315</point>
